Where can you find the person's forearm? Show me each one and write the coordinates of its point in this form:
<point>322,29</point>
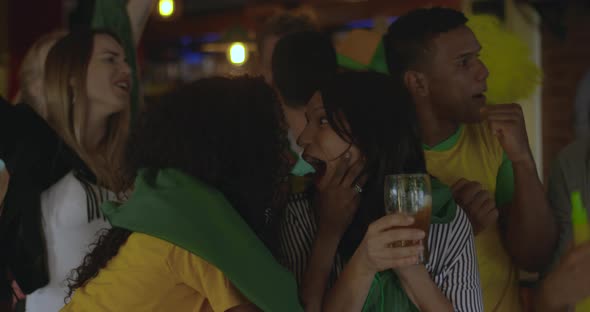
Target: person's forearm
<point>423,291</point>
<point>530,229</point>
<point>139,13</point>
<point>350,290</point>
<point>315,279</point>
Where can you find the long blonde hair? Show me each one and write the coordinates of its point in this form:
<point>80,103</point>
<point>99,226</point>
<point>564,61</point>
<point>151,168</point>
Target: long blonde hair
<point>66,70</point>
<point>32,69</point>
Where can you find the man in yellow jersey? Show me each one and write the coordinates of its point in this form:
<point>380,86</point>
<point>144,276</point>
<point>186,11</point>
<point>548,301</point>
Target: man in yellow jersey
<point>481,151</point>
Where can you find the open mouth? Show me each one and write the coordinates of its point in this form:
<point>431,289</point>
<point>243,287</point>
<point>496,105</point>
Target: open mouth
<point>123,85</point>
<point>479,97</point>
<point>317,164</point>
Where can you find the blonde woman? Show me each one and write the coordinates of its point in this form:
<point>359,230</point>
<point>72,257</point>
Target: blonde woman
<point>40,158</point>
<point>87,83</point>
<point>31,72</point>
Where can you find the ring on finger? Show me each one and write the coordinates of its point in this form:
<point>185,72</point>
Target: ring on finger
<point>357,188</point>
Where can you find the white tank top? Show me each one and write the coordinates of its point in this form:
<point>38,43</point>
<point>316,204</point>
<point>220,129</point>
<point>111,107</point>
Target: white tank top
<point>68,235</point>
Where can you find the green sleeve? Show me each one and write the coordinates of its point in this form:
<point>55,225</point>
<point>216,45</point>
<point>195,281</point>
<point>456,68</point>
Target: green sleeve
<point>112,15</point>
<point>504,182</point>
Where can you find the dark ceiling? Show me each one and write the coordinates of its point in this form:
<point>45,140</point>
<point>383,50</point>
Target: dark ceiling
<point>198,7</point>
<point>199,17</point>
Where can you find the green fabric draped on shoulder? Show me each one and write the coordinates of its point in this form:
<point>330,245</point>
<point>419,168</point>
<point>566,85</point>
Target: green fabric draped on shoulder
<point>444,207</point>
<point>178,208</point>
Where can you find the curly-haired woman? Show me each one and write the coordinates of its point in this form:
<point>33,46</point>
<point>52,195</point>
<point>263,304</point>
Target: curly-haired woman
<point>177,244</point>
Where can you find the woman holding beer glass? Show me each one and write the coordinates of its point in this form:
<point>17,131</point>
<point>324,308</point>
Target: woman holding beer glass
<point>407,246</point>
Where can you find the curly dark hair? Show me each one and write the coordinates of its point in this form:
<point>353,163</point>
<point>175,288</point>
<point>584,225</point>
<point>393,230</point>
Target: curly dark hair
<point>227,132</point>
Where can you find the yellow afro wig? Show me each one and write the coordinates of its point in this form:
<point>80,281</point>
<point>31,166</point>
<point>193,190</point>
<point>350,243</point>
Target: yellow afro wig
<point>513,74</point>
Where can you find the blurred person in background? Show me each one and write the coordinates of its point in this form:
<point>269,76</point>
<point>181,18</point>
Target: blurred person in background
<point>302,62</point>
<point>565,283</point>
<point>273,29</point>
<point>582,107</point>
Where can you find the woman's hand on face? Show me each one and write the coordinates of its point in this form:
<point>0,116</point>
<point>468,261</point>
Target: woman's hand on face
<point>337,199</point>
<point>377,251</point>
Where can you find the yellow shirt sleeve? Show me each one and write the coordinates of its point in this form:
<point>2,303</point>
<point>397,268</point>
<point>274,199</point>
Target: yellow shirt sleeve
<point>206,279</point>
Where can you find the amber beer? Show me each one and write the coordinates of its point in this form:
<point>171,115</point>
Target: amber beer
<point>410,194</point>
<point>422,222</point>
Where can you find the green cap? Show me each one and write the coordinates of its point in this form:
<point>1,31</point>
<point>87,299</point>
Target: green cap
<point>579,215</point>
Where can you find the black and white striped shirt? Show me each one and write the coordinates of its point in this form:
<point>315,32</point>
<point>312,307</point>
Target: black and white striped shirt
<point>452,261</point>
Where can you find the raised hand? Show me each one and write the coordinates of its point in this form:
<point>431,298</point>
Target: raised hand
<point>507,123</point>
<point>338,195</point>
<point>478,204</point>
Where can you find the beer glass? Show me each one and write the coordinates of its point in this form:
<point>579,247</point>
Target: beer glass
<point>410,194</point>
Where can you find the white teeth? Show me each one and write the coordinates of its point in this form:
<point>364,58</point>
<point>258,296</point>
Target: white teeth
<point>123,85</point>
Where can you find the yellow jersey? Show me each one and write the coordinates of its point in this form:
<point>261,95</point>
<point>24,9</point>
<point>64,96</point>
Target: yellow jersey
<point>473,153</point>
<point>150,274</point>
